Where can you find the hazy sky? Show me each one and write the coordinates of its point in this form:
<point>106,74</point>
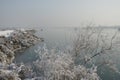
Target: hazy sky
<point>59,12</point>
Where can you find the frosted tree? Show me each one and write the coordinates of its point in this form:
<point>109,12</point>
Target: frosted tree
<point>57,65</point>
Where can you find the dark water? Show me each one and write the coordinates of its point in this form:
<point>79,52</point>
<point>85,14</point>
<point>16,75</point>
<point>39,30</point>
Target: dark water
<point>61,38</point>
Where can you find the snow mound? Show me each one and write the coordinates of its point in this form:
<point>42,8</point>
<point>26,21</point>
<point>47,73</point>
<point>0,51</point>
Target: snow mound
<point>6,33</point>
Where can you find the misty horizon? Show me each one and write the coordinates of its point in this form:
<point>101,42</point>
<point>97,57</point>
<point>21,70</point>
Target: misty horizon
<point>59,13</point>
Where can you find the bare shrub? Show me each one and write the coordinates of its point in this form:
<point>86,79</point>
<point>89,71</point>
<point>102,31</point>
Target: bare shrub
<point>91,42</point>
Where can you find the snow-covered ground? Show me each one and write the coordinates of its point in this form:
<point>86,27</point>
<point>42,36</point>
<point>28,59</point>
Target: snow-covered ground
<point>6,33</point>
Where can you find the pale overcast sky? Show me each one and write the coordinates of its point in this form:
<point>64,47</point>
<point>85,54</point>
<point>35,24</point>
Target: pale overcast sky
<point>59,12</point>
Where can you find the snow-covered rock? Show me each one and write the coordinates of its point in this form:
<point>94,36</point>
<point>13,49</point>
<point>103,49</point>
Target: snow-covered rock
<point>13,41</point>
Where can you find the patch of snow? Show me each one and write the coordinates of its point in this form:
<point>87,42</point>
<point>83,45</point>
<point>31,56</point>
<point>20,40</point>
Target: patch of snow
<point>23,30</point>
<point>6,33</point>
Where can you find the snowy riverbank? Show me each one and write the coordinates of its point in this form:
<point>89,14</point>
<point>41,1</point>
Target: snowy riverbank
<point>13,41</point>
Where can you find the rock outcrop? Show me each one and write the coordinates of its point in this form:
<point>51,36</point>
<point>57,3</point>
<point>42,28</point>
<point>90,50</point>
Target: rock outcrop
<point>11,42</point>
<point>15,41</point>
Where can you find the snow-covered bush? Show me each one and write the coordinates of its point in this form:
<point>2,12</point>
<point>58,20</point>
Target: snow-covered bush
<point>8,75</point>
<point>92,42</point>
<point>58,65</point>
<point>15,72</point>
